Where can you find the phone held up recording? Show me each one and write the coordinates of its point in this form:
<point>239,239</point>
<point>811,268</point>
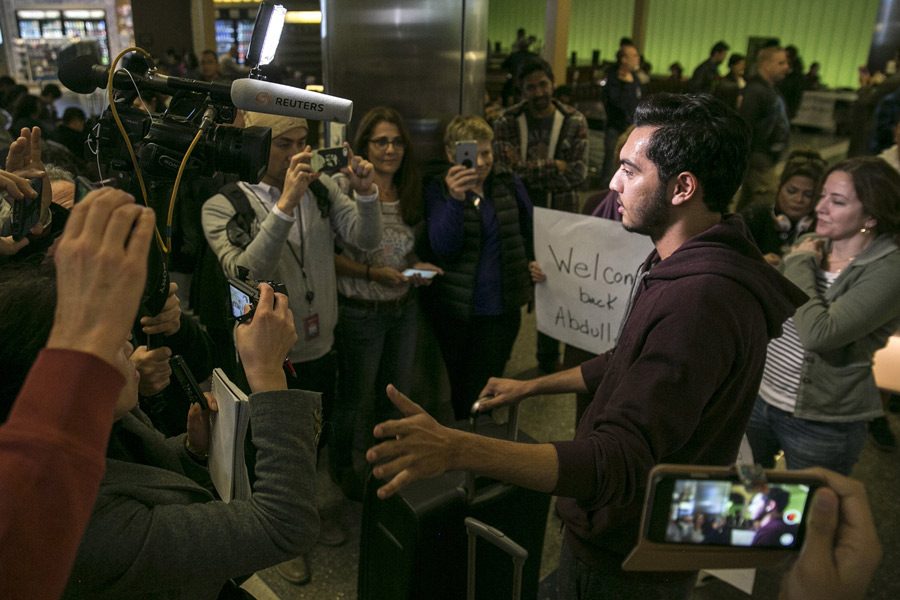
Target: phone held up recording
<point>26,212</point>
<point>330,160</point>
<point>466,153</point>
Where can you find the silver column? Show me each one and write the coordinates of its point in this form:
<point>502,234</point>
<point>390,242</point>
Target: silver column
<point>425,58</point>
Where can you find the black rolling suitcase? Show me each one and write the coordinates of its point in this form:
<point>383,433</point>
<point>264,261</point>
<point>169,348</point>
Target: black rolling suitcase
<point>413,545</point>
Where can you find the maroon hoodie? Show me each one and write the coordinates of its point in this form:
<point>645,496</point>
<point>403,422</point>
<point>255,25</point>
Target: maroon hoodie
<point>679,385</point>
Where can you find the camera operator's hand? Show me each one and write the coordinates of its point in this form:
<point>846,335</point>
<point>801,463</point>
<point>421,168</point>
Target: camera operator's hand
<point>296,181</point>
<point>101,266</point>
<point>459,180</point>
<point>168,321</point>
<point>153,365</point>
<point>265,340</point>
<point>361,174</point>
<point>198,427</point>
<point>841,550</point>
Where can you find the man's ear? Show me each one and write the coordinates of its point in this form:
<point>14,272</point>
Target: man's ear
<point>685,186</point>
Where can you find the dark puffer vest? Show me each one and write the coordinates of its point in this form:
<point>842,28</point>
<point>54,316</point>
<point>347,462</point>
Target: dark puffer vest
<point>455,290</point>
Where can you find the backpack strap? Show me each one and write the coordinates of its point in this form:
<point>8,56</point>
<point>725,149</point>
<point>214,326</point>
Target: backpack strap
<point>239,227</point>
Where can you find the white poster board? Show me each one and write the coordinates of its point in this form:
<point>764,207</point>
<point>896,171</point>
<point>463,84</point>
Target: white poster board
<point>590,264</point>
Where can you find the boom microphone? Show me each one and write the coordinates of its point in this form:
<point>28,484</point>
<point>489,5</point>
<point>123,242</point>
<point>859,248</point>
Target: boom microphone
<point>277,99</point>
<point>81,75</point>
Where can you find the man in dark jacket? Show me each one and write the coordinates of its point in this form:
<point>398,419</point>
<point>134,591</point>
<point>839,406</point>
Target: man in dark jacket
<point>707,73</point>
<point>681,381</point>
<point>764,109</point>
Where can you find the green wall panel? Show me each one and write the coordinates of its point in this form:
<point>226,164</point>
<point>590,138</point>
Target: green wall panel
<point>836,33</point>
<point>506,16</point>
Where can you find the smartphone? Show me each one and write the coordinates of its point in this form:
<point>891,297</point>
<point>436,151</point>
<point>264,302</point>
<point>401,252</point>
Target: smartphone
<point>713,507</point>
<point>330,160</point>
<point>26,212</point>
<point>466,153</point>
<point>186,380</point>
<point>83,186</point>
<point>423,273</point>
<point>710,518</point>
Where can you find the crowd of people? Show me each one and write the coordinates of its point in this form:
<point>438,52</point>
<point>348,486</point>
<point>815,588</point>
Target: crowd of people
<point>763,322</point>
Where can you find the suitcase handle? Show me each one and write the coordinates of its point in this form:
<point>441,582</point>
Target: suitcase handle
<point>512,434</point>
<point>476,529</point>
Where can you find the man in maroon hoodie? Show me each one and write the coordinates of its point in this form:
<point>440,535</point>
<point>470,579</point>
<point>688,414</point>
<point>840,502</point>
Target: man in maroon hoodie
<point>680,383</point>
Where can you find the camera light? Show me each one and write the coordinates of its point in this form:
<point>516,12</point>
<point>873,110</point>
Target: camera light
<point>273,35</point>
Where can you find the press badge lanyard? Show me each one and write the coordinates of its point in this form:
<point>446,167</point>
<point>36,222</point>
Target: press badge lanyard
<point>311,321</point>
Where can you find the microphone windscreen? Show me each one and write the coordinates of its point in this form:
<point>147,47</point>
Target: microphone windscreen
<point>277,99</point>
<point>77,74</point>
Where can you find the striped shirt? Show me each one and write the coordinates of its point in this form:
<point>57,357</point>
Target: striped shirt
<point>784,359</point>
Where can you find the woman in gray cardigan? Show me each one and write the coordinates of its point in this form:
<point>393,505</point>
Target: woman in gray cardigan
<point>157,531</point>
<point>818,391</point>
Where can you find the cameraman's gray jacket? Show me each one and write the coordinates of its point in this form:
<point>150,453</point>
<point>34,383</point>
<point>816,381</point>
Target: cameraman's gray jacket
<point>272,255</point>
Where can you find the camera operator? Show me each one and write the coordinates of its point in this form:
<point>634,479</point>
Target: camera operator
<point>53,442</point>
<point>156,529</point>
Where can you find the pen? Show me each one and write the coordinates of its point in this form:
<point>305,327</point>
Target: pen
<point>289,367</point>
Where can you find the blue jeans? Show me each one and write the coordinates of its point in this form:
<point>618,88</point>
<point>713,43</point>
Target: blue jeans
<point>806,443</point>
<point>376,346</point>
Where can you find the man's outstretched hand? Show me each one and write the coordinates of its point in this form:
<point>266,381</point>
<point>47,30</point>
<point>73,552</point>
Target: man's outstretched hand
<point>416,446</point>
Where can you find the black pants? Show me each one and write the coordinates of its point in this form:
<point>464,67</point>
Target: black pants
<point>474,350</point>
<point>318,375</point>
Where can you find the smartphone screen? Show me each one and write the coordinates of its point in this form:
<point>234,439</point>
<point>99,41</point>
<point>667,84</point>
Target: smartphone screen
<point>239,299</point>
<point>723,512</point>
<point>420,272</point>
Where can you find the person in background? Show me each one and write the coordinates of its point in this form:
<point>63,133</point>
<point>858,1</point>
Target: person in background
<point>764,109</point>
<point>50,93</point>
<point>544,142</point>
<point>776,228</point>
<point>377,304</point>
<point>730,88</point>
<point>479,224</point>
<point>209,67</point>
<point>70,132</point>
<point>621,94</point>
<point>817,391</point>
<point>706,75</point>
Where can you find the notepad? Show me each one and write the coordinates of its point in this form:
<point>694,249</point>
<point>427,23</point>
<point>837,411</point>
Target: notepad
<point>227,466</point>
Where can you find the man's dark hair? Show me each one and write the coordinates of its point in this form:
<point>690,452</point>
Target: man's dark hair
<point>700,134</point>
<point>734,59</point>
<point>73,113</point>
<point>621,51</point>
<point>27,304</point>
<point>719,46</point>
<point>780,497</point>
<point>533,64</point>
<point>52,90</point>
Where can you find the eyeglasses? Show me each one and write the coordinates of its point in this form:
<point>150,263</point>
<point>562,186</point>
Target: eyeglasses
<point>382,143</point>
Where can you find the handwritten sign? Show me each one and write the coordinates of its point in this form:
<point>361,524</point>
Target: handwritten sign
<point>590,265</point>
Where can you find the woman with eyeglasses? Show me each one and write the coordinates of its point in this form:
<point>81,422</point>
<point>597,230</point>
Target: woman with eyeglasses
<point>378,311</point>
<point>776,228</point>
<point>480,231</point>
<point>818,391</point>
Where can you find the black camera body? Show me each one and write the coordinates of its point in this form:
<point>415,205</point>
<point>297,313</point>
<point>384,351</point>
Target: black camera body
<point>161,140</point>
<point>246,293</point>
